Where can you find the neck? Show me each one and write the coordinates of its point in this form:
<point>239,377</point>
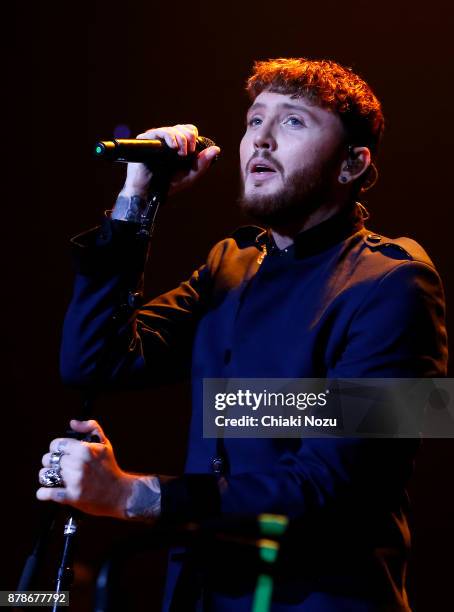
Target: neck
<point>284,235</point>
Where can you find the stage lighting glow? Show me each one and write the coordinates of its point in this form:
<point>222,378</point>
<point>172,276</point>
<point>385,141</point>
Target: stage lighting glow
<point>122,131</point>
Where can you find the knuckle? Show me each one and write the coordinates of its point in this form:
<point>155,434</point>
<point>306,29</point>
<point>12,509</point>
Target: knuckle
<point>190,129</point>
<point>85,453</point>
<point>59,495</point>
<point>72,482</point>
<point>101,451</point>
<point>58,444</point>
<point>71,477</point>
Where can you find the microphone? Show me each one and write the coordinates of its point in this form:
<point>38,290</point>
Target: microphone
<point>154,153</point>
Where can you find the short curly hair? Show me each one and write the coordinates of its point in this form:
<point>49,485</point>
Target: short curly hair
<point>327,84</point>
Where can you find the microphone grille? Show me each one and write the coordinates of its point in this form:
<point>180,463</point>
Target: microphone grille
<point>203,143</point>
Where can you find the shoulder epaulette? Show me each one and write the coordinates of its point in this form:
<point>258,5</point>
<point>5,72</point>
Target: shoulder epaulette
<point>398,248</point>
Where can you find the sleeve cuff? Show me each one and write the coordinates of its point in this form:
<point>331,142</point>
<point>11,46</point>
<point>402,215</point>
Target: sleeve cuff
<point>109,248</point>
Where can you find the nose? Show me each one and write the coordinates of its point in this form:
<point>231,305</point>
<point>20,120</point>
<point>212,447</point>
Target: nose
<point>264,139</point>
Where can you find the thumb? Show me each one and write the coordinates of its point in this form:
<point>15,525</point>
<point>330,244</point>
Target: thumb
<point>210,154</point>
<point>203,162</point>
<point>91,427</point>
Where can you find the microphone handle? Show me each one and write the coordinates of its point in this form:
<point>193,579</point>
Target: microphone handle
<point>154,153</point>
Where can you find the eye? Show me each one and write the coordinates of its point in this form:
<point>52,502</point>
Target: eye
<point>253,121</point>
<point>294,122</point>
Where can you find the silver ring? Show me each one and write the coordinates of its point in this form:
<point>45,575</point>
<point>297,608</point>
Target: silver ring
<point>51,478</point>
<point>55,459</point>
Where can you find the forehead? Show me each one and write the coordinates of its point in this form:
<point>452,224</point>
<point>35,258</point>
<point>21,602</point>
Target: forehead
<point>269,102</point>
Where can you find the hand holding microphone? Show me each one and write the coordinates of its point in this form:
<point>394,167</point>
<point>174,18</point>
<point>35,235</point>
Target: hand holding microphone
<point>181,142</point>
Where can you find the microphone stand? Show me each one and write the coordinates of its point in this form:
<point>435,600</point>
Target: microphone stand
<point>157,194</point>
<point>65,573</point>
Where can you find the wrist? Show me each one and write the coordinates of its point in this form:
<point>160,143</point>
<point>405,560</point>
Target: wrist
<point>132,190</point>
<point>142,498</point>
<point>121,492</point>
<point>129,207</point>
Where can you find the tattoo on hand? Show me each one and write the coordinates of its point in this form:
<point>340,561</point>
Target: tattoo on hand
<point>129,209</point>
<point>144,503</point>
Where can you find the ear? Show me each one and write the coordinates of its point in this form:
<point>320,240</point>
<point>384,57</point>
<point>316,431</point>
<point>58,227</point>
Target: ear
<point>357,162</point>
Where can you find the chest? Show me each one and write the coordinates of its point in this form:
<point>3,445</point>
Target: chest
<point>286,318</point>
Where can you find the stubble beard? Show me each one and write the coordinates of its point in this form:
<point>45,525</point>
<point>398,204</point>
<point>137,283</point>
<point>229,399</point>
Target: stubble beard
<point>302,193</point>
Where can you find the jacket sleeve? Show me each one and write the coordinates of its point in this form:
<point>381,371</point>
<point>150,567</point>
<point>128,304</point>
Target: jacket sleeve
<point>398,331</point>
<point>109,337</point>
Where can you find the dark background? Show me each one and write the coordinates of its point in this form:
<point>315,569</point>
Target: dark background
<point>77,70</point>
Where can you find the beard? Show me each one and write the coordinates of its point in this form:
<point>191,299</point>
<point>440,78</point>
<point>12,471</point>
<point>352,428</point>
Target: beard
<point>302,193</point>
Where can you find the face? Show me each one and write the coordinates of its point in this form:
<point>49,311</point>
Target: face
<point>290,158</point>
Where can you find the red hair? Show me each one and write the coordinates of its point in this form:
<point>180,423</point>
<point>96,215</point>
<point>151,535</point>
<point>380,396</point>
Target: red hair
<point>326,84</point>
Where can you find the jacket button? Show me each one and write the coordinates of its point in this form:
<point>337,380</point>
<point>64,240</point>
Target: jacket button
<point>374,238</point>
<point>135,299</point>
<point>217,465</point>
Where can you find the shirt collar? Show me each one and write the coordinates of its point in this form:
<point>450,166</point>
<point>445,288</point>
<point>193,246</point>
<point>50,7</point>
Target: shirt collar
<point>322,236</point>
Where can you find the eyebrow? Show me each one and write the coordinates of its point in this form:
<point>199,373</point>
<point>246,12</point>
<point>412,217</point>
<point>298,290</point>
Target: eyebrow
<point>289,106</point>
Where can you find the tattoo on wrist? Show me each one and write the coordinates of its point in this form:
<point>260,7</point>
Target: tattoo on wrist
<point>144,502</point>
<point>129,209</point>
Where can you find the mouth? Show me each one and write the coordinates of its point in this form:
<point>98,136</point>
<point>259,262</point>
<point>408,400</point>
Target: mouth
<point>261,168</point>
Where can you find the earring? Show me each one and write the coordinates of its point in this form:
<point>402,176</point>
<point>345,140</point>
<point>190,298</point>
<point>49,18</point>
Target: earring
<point>343,179</point>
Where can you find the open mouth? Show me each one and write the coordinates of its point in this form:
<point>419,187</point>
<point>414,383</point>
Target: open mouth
<point>262,168</point>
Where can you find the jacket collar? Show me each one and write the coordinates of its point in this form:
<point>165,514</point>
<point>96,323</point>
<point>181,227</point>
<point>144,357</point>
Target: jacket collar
<point>322,236</point>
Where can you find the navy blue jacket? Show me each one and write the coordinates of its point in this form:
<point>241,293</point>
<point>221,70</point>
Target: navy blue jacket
<point>339,303</point>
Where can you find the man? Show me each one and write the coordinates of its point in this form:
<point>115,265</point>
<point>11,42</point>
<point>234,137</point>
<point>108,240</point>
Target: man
<point>316,295</point>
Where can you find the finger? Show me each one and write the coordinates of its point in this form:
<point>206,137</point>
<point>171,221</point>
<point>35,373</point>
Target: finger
<point>65,445</point>
<point>53,494</point>
<point>163,133</point>
<point>191,127</point>
<point>90,427</point>
<point>182,140</point>
<point>44,475</point>
<point>71,475</point>
<point>200,165</point>
<point>191,133</point>
<point>45,461</point>
<point>41,472</point>
<point>205,159</point>
<point>68,461</point>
